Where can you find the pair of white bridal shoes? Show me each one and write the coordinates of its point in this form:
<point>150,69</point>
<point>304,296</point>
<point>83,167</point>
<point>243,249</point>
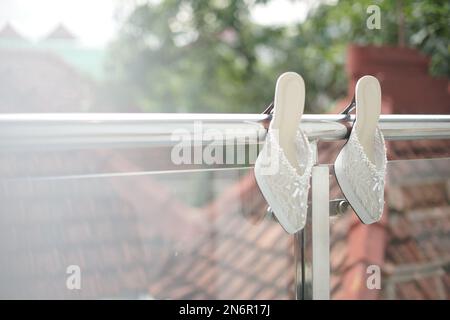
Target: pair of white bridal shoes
<point>283,167</point>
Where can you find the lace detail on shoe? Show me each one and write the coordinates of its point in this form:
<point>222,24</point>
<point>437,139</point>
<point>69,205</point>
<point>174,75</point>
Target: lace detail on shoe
<point>366,178</point>
<point>288,187</point>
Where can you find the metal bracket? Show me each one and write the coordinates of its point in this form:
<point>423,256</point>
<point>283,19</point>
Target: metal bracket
<point>337,207</point>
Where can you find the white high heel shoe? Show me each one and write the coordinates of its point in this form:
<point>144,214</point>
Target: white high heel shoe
<point>361,164</point>
<point>283,167</point>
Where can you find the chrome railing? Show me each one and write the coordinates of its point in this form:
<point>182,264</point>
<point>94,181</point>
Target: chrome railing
<point>36,130</point>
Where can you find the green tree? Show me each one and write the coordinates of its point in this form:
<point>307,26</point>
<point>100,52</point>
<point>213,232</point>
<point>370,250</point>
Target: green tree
<point>209,56</point>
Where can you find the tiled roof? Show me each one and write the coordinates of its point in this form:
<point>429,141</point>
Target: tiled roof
<point>23,89</point>
<point>415,188</point>
<point>400,245</point>
<point>417,255</point>
<point>235,251</point>
<point>46,227</point>
<point>419,149</point>
<point>131,236</point>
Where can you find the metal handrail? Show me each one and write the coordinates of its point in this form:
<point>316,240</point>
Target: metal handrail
<point>90,129</point>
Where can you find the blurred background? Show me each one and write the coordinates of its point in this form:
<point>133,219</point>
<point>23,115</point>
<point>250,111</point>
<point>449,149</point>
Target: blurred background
<point>193,55</point>
<point>136,225</point>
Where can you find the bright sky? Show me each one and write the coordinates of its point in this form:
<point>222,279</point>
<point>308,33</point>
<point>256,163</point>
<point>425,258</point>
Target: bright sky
<point>95,22</point>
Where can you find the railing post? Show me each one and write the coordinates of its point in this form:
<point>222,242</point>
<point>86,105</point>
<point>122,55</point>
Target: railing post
<point>320,232</point>
<point>312,244</point>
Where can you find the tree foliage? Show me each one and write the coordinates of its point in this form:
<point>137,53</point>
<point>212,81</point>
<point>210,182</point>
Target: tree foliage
<point>209,56</point>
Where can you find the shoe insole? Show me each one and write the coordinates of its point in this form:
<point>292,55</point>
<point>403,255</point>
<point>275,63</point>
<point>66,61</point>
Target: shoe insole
<point>289,103</point>
<point>368,109</point>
